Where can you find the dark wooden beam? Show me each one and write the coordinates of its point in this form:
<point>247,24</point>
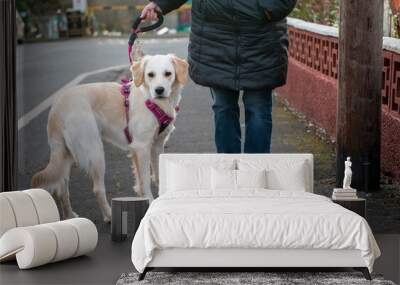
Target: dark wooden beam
<point>8,100</point>
<point>359,98</point>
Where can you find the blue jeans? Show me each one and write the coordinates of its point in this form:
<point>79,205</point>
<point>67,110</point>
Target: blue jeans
<point>258,120</point>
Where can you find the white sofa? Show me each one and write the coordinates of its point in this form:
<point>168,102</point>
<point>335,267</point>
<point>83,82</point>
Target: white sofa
<point>31,231</point>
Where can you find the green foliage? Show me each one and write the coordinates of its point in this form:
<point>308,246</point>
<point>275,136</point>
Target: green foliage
<point>324,12</point>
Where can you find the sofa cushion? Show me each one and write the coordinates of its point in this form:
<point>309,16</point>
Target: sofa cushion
<point>45,206</point>
<point>7,220</point>
<point>23,208</point>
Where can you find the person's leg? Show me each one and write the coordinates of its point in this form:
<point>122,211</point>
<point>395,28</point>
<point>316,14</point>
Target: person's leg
<point>258,120</point>
<point>226,119</point>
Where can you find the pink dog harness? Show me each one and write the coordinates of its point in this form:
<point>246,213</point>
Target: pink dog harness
<point>164,120</point>
<point>126,91</point>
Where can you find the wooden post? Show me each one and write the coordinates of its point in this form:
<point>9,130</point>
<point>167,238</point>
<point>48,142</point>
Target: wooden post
<point>8,98</point>
<point>359,98</point>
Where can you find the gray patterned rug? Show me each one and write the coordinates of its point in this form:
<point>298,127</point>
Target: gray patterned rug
<point>243,278</point>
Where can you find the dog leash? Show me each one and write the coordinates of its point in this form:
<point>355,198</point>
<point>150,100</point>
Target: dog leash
<point>136,30</point>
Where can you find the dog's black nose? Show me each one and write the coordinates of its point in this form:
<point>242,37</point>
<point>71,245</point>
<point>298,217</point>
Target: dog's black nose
<point>160,90</point>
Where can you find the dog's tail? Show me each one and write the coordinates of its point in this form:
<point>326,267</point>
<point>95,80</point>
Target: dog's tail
<point>59,163</point>
<point>54,171</point>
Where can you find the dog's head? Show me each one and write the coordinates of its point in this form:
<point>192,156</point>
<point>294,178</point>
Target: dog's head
<point>159,74</point>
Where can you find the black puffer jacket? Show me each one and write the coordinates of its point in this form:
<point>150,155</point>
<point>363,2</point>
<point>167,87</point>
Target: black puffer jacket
<point>237,44</point>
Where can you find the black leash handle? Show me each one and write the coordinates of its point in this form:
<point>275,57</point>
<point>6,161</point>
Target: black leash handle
<point>136,29</point>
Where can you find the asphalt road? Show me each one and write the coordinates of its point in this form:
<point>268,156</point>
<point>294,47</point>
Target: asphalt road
<point>48,66</point>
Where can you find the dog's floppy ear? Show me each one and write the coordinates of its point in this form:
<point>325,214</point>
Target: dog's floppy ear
<point>181,69</point>
<point>137,70</point>
<point>137,73</point>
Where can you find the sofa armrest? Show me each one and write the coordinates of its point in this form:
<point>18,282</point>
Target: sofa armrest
<point>41,244</point>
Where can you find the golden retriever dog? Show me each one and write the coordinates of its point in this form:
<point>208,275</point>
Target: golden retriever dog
<point>84,116</point>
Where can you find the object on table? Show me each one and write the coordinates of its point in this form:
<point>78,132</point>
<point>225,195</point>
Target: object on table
<point>347,174</point>
<point>340,193</point>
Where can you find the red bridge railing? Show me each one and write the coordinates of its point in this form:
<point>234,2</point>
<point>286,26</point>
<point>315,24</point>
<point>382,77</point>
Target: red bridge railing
<point>319,51</point>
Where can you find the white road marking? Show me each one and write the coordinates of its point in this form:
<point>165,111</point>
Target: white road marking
<point>44,105</point>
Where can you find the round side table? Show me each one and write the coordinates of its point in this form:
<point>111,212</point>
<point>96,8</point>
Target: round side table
<point>127,211</point>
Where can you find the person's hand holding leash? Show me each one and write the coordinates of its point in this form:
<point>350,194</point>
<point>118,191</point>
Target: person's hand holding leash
<point>149,12</point>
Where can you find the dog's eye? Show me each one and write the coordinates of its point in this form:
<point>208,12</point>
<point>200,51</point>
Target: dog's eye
<point>168,73</point>
<point>150,74</point>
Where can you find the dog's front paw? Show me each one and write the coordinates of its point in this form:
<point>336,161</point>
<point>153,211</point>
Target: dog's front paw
<point>107,218</point>
<point>107,215</point>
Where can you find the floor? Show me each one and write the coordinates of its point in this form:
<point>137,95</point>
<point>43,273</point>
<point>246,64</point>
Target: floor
<point>110,260</point>
<point>103,266</point>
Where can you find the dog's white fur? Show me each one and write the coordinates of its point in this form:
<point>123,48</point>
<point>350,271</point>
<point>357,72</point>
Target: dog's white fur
<point>85,115</point>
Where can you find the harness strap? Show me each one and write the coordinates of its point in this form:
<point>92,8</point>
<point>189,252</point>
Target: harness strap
<point>126,91</point>
<point>163,118</point>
